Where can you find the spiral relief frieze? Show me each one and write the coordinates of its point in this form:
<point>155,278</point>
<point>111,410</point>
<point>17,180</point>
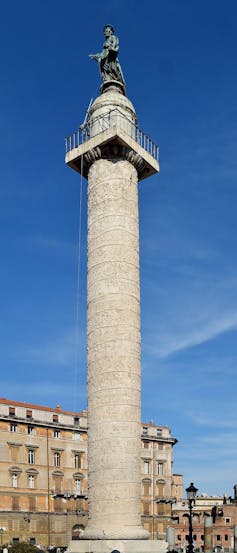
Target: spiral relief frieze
<point>113,347</point>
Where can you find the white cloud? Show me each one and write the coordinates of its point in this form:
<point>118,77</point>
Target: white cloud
<point>188,337</point>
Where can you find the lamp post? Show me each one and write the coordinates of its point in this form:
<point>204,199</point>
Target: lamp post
<point>191,495</point>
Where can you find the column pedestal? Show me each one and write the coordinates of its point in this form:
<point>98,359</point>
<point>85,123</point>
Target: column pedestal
<point>121,546</point>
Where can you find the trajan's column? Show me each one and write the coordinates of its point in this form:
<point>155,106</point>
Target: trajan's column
<point>113,154</point>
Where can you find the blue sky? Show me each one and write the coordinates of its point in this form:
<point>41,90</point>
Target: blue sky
<point>179,61</point>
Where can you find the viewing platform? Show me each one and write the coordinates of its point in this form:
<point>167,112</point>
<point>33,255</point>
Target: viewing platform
<point>111,128</point>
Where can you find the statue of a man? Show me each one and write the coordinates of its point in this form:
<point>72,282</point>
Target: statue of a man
<point>109,65</point>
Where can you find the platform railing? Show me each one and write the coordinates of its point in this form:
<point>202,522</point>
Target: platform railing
<point>94,126</point>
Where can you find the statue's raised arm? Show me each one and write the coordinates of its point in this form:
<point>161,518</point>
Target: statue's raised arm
<point>109,65</point>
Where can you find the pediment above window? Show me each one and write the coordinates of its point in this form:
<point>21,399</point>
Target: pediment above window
<point>15,470</point>
<point>57,473</point>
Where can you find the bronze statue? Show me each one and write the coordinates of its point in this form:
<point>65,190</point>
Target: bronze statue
<point>109,65</point>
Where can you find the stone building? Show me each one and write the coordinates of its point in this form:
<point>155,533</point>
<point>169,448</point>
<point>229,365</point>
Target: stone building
<point>43,474</point>
<point>224,513</point>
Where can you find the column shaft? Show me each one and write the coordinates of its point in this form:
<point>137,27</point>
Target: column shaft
<point>113,352</point>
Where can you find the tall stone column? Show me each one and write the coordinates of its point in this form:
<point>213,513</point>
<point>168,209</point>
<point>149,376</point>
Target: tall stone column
<point>113,344</point>
<point>113,161</point>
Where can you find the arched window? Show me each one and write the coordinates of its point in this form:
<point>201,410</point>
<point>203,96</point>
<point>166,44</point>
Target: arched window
<point>185,519</point>
<point>77,531</point>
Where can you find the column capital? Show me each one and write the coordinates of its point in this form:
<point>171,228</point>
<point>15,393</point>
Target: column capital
<point>112,151</point>
<point>113,142</point>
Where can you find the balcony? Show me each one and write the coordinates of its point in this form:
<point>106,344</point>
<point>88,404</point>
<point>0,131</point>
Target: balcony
<point>69,494</point>
<point>165,499</point>
<point>114,118</point>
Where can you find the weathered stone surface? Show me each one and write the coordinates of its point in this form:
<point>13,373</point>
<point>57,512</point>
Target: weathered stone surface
<point>113,163</point>
<point>113,343</point>
<point>123,546</point>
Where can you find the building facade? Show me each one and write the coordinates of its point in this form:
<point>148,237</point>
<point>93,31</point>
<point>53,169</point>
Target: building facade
<point>224,513</point>
<point>43,475</point>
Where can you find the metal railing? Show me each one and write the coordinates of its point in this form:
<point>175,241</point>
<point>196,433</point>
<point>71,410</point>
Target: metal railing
<point>68,494</point>
<point>103,122</point>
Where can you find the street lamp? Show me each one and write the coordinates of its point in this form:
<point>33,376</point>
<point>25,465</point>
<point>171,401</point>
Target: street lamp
<point>191,495</point>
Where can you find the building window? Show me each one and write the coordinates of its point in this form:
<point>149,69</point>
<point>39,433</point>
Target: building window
<point>56,433</point>
<point>76,421</point>
<point>30,430</point>
<point>227,520</point>
<point>146,445</point>
<point>218,537</point>
<point>58,481</point>
<point>146,508</point>
<point>202,536</point>
<point>161,489</point>
<point>146,488</point>
<point>32,541</point>
<point>55,418</point>
<point>179,537</point>
<point>159,432</point>
<point>77,461</point>
<point>160,470</point>
<point>146,467</point>
<point>78,485</point>
<point>160,446</point>
<point>31,481</point>
<point>31,457</point>
<point>15,503</point>
<point>14,480</point>
<point>12,411</point>
<point>28,414</point>
<point>14,453</point>
<point>145,430</point>
<point>77,436</point>
<point>194,537</point>
<point>13,427</point>
<point>226,537</point>
<point>58,505</point>
<point>32,503</point>
<point>56,459</point>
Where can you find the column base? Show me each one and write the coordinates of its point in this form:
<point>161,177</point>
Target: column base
<point>121,546</point>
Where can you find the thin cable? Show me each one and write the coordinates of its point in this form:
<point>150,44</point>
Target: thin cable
<point>77,337</point>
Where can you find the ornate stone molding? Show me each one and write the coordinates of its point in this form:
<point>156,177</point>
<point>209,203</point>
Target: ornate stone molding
<point>92,156</point>
<point>135,159</point>
<point>114,152</point>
